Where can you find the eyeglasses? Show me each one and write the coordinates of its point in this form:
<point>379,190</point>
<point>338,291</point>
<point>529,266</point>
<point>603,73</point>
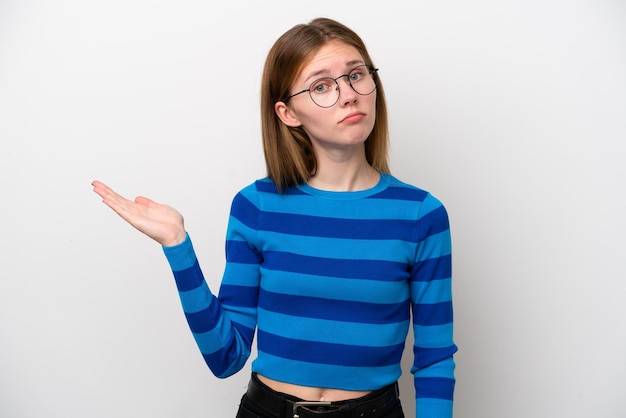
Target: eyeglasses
<point>325,91</point>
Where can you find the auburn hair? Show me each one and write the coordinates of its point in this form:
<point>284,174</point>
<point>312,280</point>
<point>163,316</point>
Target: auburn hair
<point>288,151</point>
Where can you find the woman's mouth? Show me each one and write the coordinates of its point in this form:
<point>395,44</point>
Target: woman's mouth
<point>352,117</point>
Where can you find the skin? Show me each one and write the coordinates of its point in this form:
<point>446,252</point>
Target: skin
<point>338,135</point>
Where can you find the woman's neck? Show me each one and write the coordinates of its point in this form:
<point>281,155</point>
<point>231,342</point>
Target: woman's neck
<point>344,174</point>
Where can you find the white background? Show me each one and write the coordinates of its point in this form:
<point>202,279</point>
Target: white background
<point>511,112</point>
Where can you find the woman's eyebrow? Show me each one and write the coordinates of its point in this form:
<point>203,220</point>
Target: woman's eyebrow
<point>325,72</point>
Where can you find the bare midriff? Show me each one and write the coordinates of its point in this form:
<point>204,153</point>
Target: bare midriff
<point>312,393</point>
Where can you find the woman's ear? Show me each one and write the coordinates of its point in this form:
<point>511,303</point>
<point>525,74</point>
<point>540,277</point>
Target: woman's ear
<point>286,115</point>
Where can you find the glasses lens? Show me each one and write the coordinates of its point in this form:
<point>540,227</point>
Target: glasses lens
<point>324,92</point>
<point>362,80</point>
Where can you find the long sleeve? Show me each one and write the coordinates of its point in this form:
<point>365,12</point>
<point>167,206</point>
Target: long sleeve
<point>223,327</point>
<point>431,297</point>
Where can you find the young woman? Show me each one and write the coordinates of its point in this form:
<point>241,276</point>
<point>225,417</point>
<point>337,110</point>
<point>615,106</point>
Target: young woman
<point>327,257</point>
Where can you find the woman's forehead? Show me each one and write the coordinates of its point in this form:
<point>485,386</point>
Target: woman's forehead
<point>328,59</point>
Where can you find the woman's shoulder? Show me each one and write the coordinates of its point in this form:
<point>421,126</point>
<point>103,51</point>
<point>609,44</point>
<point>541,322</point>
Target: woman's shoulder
<point>400,189</point>
<point>264,190</point>
<point>398,186</point>
<point>260,186</point>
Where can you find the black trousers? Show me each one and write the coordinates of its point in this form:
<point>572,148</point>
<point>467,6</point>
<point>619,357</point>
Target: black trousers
<point>261,401</point>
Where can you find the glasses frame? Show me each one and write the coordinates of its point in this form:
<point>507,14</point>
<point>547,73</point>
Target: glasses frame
<point>370,69</point>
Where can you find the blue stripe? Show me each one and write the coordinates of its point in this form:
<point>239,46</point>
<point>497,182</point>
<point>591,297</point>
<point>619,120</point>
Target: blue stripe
<point>345,209</point>
<point>196,300</point>
<point>433,407</point>
<point>238,231</point>
<point>348,289</point>
<point>332,331</point>
<point>241,274</point>
<point>424,357</point>
<point>204,320</point>
<point>245,211</point>
<point>432,291</point>
<point>339,228</point>
<point>245,317</point>
<point>211,341</point>
<point>189,278</point>
<point>354,269</point>
<point>241,296</point>
<point>265,186</point>
<point>432,269</point>
<point>432,223</point>
<point>429,204</point>
<point>433,336</point>
<point>327,353</point>
<point>401,193</point>
<point>434,387</point>
<point>348,311</point>
<point>393,250</point>
<point>432,313</point>
<point>181,256</point>
<point>240,252</point>
<point>227,361</point>
<point>440,368</point>
<point>435,245</point>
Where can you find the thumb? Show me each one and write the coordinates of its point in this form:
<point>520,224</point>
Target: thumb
<point>142,200</point>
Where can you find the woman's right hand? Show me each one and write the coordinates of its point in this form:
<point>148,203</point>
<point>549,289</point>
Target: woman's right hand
<point>162,223</point>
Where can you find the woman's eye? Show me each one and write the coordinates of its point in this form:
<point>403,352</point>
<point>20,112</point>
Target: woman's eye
<point>322,86</point>
<point>356,76</point>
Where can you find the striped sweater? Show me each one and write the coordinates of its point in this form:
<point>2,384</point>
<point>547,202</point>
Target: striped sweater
<point>329,281</point>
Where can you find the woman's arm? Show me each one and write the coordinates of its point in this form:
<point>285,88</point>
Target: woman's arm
<point>431,295</point>
<point>223,328</point>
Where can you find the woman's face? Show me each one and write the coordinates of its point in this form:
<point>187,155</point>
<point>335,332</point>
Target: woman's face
<point>348,122</point>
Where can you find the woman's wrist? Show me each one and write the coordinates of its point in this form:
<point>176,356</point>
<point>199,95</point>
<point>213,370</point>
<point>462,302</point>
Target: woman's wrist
<point>178,239</point>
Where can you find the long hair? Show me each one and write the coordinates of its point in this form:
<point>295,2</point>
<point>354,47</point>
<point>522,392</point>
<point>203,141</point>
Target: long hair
<point>289,155</point>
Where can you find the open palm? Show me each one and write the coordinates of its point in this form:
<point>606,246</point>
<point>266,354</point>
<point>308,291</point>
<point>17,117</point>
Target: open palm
<point>162,223</point>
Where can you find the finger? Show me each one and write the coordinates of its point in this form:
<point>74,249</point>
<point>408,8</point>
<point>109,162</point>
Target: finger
<point>102,189</point>
<point>109,195</point>
<point>98,185</point>
<point>122,206</point>
<point>142,200</point>
<point>118,204</point>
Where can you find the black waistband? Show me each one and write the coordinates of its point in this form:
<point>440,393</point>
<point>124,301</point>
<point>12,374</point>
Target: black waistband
<point>373,405</point>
